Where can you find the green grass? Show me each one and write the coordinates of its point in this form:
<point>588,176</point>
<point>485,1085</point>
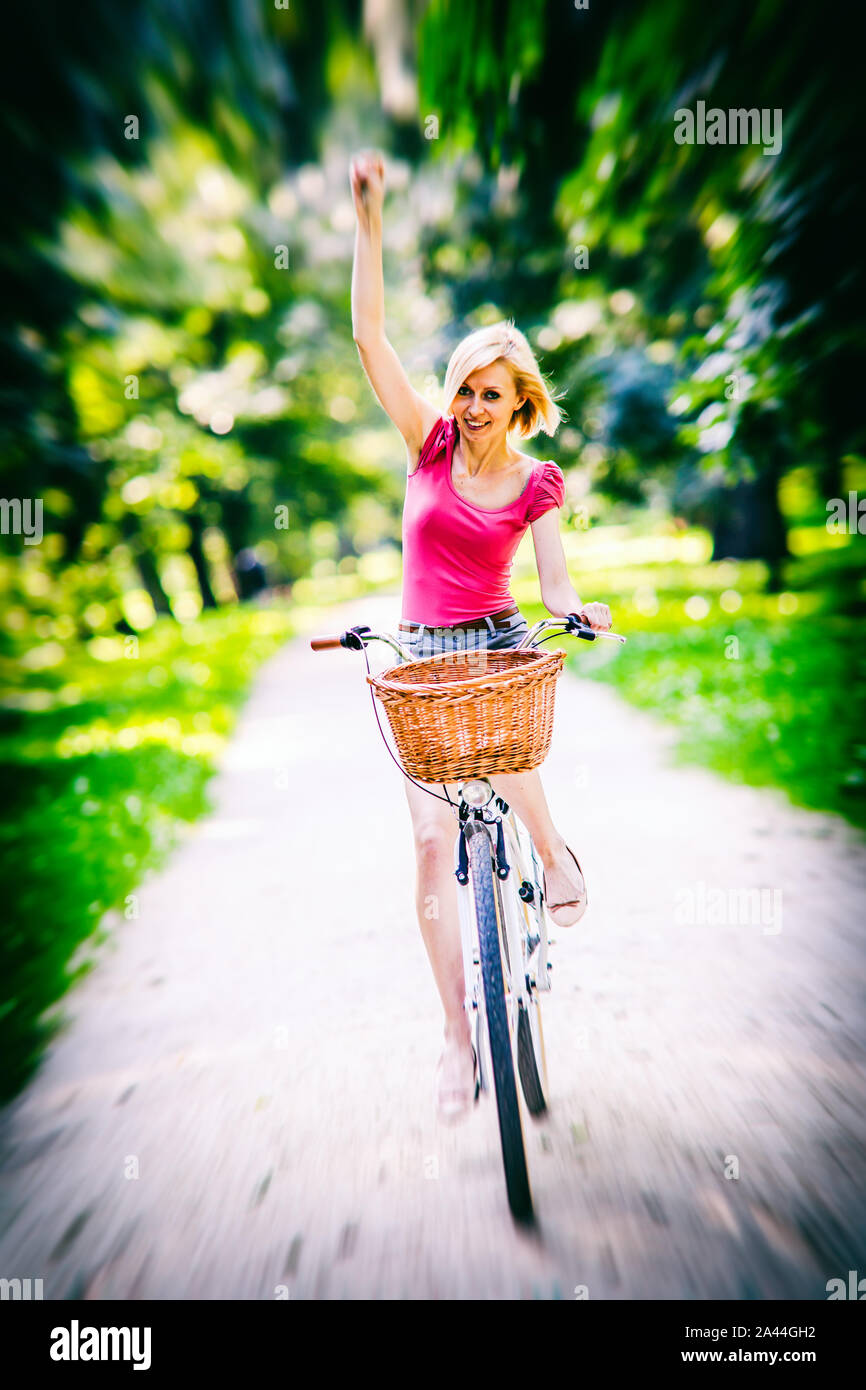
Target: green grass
<point>104,753</point>
<point>770,692</point>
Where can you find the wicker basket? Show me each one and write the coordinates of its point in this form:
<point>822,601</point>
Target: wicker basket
<point>458,715</point>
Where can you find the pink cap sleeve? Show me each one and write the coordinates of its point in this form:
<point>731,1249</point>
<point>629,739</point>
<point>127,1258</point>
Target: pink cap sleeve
<point>433,444</point>
<point>549,491</point>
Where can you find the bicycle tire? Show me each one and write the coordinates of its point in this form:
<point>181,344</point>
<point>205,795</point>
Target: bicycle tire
<point>527,1063</point>
<point>504,1080</point>
<point>531,1062</point>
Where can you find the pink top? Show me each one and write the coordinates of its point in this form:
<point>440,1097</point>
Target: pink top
<point>457,557</point>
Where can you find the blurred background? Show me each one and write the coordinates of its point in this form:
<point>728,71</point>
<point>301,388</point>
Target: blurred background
<point>193,463</point>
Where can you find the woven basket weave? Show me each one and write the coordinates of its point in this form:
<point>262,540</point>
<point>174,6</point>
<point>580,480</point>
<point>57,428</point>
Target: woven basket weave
<point>467,713</point>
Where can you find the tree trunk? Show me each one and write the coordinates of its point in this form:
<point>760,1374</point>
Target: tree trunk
<point>147,568</point>
<point>199,559</point>
<point>748,522</point>
<point>345,544</point>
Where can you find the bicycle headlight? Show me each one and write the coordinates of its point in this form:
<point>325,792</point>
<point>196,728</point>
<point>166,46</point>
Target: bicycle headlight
<point>477,792</point>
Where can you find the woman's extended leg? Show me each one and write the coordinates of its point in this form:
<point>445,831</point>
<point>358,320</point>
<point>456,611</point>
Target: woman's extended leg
<point>523,791</point>
<point>434,828</point>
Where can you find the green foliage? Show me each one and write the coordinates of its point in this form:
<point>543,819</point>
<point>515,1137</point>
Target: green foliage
<point>768,689</point>
<point>103,757</point>
<point>785,712</point>
<point>192,393</point>
<point>721,262</point>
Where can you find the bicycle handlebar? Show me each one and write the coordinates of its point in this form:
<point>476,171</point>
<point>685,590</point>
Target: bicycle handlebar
<point>356,638</point>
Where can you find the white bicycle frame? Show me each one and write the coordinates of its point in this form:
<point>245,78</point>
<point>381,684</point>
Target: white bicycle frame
<point>521,920</point>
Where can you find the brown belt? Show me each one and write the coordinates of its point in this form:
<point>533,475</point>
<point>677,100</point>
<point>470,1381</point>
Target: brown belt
<point>504,613</point>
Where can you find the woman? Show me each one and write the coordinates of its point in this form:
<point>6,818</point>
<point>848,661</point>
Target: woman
<point>470,496</point>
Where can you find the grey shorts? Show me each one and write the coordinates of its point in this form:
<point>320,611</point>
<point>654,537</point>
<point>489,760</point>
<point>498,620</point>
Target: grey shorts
<point>433,641</point>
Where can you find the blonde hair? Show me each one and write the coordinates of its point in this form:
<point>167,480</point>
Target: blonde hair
<point>503,342</point>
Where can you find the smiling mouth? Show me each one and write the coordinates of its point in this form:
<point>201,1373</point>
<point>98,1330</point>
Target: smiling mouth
<point>472,426</point>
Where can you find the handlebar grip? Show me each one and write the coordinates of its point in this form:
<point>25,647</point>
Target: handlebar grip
<point>321,644</point>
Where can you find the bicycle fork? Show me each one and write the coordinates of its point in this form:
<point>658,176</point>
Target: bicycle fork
<point>512,905</point>
<point>474,991</point>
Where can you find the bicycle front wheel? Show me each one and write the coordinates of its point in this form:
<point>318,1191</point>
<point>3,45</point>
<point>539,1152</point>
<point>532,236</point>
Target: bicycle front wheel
<point>498,1032</point>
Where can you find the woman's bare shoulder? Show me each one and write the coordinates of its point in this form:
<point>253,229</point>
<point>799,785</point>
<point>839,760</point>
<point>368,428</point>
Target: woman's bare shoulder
<point>530,464</point>
<point>430,419</point>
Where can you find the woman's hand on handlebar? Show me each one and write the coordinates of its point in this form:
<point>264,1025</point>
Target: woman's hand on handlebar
<point>597,616</point>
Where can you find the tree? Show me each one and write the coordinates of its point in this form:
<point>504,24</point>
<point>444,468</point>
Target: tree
<point>703,237</point>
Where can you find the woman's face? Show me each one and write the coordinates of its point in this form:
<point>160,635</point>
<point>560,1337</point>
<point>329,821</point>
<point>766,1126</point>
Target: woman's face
<point>486,401</point>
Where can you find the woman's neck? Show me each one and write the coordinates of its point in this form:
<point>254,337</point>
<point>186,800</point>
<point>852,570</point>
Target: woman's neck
<point>485,455</point>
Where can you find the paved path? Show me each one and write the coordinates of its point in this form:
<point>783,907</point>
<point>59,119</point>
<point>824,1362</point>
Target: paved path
<point>243,1096</point>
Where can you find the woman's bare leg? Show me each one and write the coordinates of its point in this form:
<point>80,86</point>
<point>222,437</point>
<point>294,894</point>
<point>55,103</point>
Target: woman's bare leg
<point>525,793</point>
<point>434,828</point>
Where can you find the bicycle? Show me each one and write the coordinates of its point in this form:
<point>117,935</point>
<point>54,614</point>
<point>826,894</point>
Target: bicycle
<point>503,927</point>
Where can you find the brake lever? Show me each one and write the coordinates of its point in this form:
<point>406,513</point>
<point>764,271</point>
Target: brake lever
<point>353,637</point>
<point>581,629</point>
<point>589,634</point>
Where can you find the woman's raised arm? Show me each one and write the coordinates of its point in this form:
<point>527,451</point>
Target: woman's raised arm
<point>411,413</point>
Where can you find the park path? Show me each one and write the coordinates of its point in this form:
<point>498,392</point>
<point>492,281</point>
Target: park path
<point>242,1098</point>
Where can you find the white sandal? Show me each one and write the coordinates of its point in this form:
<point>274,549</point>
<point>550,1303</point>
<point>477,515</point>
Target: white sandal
<point>581,902</point>
<point>463,1097</point>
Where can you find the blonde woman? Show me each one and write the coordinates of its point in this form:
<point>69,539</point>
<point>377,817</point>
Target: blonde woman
<point>470,496</point>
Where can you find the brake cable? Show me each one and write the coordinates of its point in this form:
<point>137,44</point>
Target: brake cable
<point>436,795</point>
